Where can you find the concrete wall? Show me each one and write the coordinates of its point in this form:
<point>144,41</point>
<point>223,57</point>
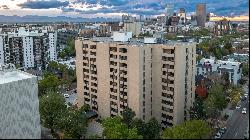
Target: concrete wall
<point>19,105</point>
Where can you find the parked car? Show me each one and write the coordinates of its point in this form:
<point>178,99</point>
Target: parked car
<point>243,98</point>
<point>223,130</point>
<point>244,111</point>
<point>66,95</point>
<point>245,95</point>
<point>238,106</point>
<point>217,136</point>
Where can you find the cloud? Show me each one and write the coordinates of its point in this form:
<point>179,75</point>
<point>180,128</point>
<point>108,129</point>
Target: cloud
<point>138,7</point>
<point>5,7</point>
<point>43,4</point>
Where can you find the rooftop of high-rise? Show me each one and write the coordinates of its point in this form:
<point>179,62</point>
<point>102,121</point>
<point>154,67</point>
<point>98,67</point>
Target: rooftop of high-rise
<point>8,74</point>
<point>139,41</point>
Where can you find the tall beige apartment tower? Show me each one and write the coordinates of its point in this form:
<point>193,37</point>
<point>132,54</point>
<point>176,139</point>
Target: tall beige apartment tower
<point>154,80</point>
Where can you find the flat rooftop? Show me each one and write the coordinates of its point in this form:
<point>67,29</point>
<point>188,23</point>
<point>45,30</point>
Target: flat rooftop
<point>12,76</point>
<point>135,41</point>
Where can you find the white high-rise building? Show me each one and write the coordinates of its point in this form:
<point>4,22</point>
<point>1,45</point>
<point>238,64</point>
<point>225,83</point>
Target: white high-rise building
<point>169,10</point>
<point>28,48</point>
<point>52,46</point>
<point>2,46</point>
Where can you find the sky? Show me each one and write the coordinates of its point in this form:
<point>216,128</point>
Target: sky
<point>115,8</point>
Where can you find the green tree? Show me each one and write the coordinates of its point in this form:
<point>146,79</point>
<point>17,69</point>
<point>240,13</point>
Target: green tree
<point>68,74</point>
<point>216,100</point>
<point>197,111</point>
<point>225,80</point>
<point>152,129</point>
<point>114,128</point>
<point>69,50</point>
<point>62,54</point>
<point>72,123</point>
<point>140,126</point>
<point>84,108</point>
<point>194,129</point>
<point>49,82</point>
<point>234,94</point>
<point>55,115</point>
<point>171,36</point>
<point>127,116</point>
<point>198,57</point>
<point>51,107</point>
<point>229,47</point>
<point>245,69</point>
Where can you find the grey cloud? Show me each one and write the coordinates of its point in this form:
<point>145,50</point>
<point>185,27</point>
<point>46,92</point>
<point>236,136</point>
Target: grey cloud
<point>42,4</point>
<point>5,7</point>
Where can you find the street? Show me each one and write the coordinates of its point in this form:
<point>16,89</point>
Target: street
<point>72,97</point>
<point>238,123</point>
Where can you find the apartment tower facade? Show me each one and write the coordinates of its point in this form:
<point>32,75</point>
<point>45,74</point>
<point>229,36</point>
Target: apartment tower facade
<point>154,80</point>
<point>201,15</point>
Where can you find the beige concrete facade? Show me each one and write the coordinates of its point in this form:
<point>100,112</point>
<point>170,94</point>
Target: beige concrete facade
<point>134,27</point>
<point>148,78</point>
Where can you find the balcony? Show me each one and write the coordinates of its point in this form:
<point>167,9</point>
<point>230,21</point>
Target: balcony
<point>113,100</point>
<point>165,84</point>
<point>84,45</point>
<point>167,106</point>
<point>169,55</point>
<point>113,113</point>
<point>170,92</point>
<point>123,50</point>
<point>85,60</point>
<point>112,66</point>
<point>167,99</point>
<point>166,113</point>
<point>171,70</point>
<point>114,106</point>
<point>113,77</point>
<point>169,62</point>
<point>171,85</point>
<point>93,47</point>
<point>171,78</point>
<point>113,59</point>
<point>125,97</point>
<point>113,90</point>
<point>113,49</point>
<point>123,68</point>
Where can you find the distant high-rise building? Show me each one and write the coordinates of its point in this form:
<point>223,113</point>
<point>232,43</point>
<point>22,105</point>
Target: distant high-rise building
<point>128,19</point>
<point>182,15</point>
<point>201,15</point>
<point>208,17</point>
<point>153,79</point>
<point>134,27</point>
<point>19,104</point>
<point>52,46</point>
<point>169,9</point>
<point>26,48</point>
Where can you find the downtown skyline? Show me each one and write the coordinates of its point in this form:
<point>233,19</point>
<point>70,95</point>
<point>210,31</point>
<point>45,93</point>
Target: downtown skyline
<point>115,8</point>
